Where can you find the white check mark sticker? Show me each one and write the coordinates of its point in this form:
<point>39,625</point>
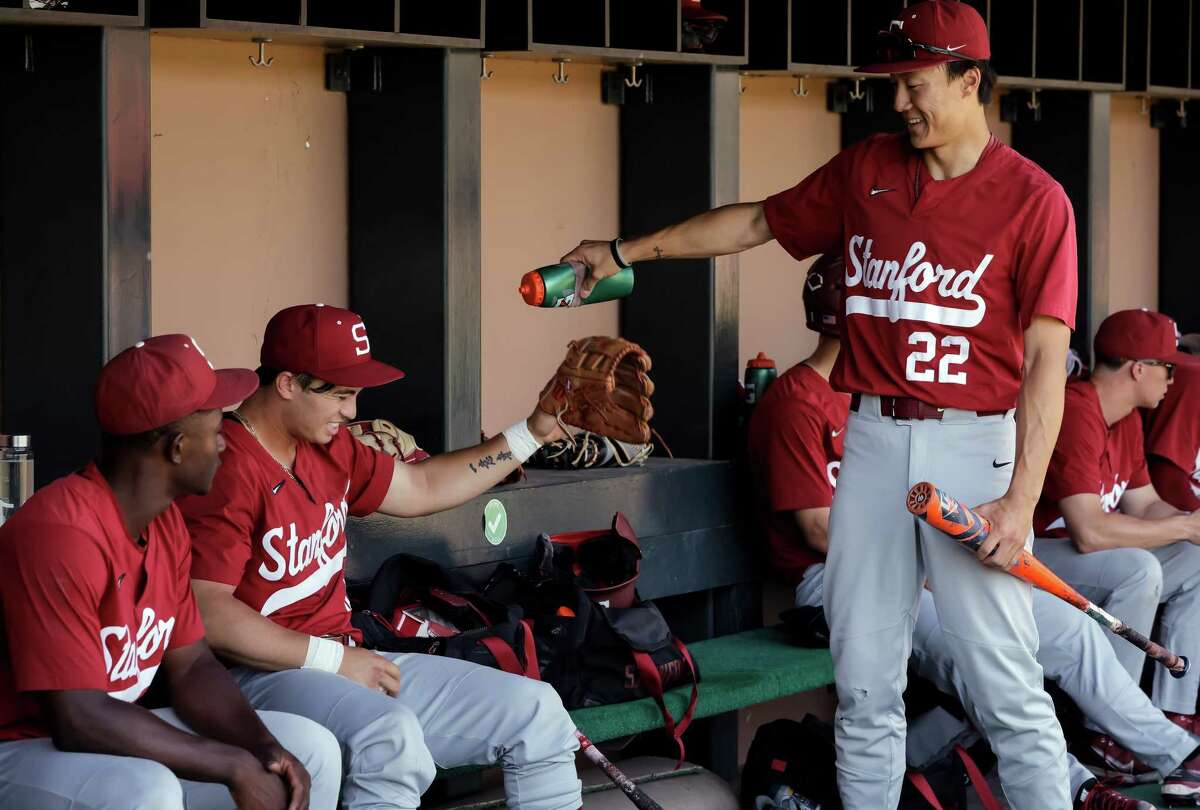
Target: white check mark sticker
<point>494,524</point>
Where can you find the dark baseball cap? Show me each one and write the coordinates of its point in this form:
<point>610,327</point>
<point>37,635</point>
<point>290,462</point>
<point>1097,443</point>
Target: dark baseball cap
<point>928,33</point>
<point>161,379</point>
<point>1139,334</point>
<point>328,343</point>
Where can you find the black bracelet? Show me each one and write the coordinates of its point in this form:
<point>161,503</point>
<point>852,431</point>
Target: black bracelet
<point>616,254</point>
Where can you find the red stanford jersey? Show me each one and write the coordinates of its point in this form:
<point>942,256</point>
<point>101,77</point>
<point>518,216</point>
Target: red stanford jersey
<point>84,607</point>
<point>795,450</point>
<point>1090,457</point>
<point>282,542</point>
<point>1173,440</point>
<point>942,277</point>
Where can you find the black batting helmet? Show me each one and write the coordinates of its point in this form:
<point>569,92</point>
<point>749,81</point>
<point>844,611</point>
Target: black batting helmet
<point>824,290</point>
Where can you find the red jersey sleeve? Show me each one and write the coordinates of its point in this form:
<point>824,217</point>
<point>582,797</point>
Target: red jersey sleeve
<point>221,524</point>
<point>807,218</point>
<point>1174,485</point>
<point>1075,465</point>
<point>1047,275</point>
<point>189,628</point>
<point>370,472</point>
<point>51,591</point>
<point>796,467</point>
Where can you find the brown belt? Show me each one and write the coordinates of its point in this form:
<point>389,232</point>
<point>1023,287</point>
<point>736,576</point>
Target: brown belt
<point>910,408</point>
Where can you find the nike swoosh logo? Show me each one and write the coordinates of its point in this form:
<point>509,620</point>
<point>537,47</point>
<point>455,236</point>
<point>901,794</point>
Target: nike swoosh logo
<point>957,48</point>
<point>875,191</point>
<point>837,433</point>
<point>999,464</point>
<point>275,489</point>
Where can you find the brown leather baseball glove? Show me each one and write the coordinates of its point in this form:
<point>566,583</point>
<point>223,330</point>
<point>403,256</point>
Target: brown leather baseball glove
<point>382,435</point>
<point>602,386</point>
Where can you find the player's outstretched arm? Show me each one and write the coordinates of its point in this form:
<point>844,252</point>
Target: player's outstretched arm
<point>90,721</point>
<point>205,697</point>
<point>1141,523</point>
<point>721,231</point>
<point>1039,417</point>
<point>445,481</point>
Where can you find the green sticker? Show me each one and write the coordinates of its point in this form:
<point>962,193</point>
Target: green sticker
<point>495,522</point>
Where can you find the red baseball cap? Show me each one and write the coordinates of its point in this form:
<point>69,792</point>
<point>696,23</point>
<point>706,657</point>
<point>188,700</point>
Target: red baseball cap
<point>930,33</point>
<point>327,342</point>
<point>1139,334</point>
<point>161,379</point>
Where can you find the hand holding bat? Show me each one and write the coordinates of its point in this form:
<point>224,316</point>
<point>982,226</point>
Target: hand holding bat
<point>963,524</point>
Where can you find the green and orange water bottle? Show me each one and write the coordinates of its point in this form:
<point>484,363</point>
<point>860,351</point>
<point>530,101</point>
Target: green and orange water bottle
<point>554,286</point>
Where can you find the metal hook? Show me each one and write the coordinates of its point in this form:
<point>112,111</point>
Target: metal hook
<point>484,73</point>
<point>857,93</point>
<point>1033,102</point>
<point>1182,111</point>
<point>741,87</point>
<point>561,77</point>
<point>801,91</point>
<point>633,80</point>
<point>1144,109</point>
<point>262,61</point>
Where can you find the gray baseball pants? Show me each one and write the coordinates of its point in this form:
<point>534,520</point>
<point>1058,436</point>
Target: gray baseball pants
<point>1130,583</point>
<point>879,558</point>
<point>34,775</point>
<point>448,713</point>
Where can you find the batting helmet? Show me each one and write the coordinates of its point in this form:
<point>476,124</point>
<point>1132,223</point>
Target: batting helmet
<point>824,290</point>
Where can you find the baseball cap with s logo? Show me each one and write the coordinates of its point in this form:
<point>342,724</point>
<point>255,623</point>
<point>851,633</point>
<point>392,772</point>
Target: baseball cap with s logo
<point>329,343</point>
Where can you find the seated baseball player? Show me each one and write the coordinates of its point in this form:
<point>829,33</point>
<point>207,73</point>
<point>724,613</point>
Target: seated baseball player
<point>1173,439</point>
<point>1101,524</point>
<point>96,601</point>
<point>794,447</point>
<point>267,568</point>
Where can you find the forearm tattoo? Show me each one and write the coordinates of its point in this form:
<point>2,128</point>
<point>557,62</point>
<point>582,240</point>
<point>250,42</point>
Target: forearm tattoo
<point>658,252</point>
<point>504,455</point>
<point>483,463</point>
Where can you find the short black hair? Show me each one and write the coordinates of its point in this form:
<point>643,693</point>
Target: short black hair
<point>307,382</point>
<point>112,445</point>
<point>1110,363</point>
<point>987,76</point>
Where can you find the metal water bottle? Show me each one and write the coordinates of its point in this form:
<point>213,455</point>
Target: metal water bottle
<point>16,473</point>
<point>760,372</point>
<point>554,286</point>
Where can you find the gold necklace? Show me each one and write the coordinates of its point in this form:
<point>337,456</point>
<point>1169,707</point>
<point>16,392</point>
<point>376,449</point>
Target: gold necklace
<point>250,429</point>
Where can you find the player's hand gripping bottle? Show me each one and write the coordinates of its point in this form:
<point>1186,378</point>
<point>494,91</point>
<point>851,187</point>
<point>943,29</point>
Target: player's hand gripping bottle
<point>554,286</point>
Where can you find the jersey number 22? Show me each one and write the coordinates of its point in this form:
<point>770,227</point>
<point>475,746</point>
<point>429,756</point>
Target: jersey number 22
<point>957,349</point>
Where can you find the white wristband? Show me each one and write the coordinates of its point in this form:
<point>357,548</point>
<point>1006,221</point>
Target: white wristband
<point>521,441</point>
<point>324,654</point>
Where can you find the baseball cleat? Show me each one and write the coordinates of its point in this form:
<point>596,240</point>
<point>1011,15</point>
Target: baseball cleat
<point>1103,756</point>
<point>1102,797</point>
<point>1182,785</point>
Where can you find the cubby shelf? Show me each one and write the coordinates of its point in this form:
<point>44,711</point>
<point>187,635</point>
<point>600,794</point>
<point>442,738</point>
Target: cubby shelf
<point>1059,44</point>
<point>118,13</point>
<point>610,31</point>
<point>445,24</point>
<point>1161,54</point>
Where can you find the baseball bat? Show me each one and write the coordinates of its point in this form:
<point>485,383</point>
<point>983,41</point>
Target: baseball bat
<point>963,524</point>
<point>627,785</point>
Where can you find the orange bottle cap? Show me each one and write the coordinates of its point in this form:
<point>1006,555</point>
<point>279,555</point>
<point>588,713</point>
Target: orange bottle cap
<point>761,361</point>
<point>533,288</point>
<point>565,612</point>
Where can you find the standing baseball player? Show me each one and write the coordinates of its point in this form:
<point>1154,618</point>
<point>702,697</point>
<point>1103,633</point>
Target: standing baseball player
<point>97,599</point>
<point>1106,531</point>
<point>270,549</point>
<point>794,448</point>
<point>1173,439</point>
<point>961,286</point>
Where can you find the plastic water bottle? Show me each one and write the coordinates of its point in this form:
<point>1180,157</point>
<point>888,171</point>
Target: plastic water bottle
<point>16,473</point>
<point>554,286</point>
<point>784,798</point>
<point>760,372</point>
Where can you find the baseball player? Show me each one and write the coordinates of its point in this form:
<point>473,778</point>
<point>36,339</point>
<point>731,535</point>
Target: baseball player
<point>961,286</point>
<point>96,599</point>
<point>794,448</point>
<point>1106,530</point>
<point>1173,439</point>
<point>270,549</point>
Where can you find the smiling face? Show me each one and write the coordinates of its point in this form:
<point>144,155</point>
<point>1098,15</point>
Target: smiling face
<point>936,108</point>
<point>317,411</point>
